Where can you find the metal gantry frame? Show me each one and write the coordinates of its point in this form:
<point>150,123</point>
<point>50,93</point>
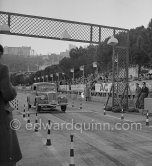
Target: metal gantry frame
<point>58,29</point>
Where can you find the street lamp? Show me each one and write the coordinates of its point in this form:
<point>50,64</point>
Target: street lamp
<point>72,71</point>
<point>113,42</point>
<point>82,69</point>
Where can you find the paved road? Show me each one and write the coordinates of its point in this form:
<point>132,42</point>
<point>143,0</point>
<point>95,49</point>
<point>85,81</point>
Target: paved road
<point>99,140</point>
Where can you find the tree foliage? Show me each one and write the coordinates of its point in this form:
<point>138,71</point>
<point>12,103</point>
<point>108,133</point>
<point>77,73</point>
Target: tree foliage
<point>140,54</point>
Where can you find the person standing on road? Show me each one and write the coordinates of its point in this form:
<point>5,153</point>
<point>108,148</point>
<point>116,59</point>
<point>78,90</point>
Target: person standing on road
<point>143,94</point>
<point>10,152</point>
<point>87,92</point>
<point>137,94</point>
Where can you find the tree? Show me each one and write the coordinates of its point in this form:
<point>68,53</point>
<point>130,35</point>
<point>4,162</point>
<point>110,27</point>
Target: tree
<point>140,55</point>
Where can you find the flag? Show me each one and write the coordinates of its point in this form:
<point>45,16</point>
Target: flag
<point>72,70</point>
<point>94,64</point>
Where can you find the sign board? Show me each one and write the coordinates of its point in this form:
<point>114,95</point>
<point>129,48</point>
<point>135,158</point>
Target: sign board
<point>103,87</point>
<point>78,87</point>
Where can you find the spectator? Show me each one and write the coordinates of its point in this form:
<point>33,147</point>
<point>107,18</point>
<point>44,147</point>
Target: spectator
<point>143,94</point>
<point>137,94</point>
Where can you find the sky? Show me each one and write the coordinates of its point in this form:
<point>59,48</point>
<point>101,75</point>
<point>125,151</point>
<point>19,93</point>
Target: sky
<point>117,13</point>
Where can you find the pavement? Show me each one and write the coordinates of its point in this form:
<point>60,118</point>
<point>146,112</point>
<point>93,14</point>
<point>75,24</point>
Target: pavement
<point>99,140</point>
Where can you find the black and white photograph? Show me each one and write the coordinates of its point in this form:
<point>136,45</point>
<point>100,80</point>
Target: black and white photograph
<point>75,83</point>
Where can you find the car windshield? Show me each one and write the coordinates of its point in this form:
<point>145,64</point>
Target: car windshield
<point>46,87</point>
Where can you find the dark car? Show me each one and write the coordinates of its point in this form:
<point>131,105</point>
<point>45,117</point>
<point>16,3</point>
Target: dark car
<point>44,96</point>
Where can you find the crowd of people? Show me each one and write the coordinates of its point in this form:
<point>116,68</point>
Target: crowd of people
<point>147,76</point>
<point>90,78</point>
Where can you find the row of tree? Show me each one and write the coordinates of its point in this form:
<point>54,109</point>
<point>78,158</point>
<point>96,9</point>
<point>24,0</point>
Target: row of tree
<point>140,43</point>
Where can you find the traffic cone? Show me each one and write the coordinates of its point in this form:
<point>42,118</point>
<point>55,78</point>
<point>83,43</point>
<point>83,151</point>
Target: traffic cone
<point>24,112</point>
<point>80,104</point>
<point>147,118</point>
<point>48,141</point>
<point>72,152</point>
<point>17,105</point>
<point>28,120</point>
<point>122,114</point>
<point>36,121</point>
<point>104,110</point>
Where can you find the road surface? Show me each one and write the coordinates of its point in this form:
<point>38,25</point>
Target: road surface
<point>99,140</point>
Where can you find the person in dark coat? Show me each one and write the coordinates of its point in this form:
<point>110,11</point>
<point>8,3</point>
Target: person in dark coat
<point>137,94</point>
<point>10,152</point>
<point>143,94</point>
<point>87,92</point>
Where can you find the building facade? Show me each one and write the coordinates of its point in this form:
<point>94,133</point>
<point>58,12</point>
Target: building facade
<point>22,51</point>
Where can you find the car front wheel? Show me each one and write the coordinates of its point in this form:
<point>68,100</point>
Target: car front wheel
<point>38,108</point>
<point>29,106</point>
<point>63,108</point>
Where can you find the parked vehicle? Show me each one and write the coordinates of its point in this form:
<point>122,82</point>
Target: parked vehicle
<point>44,96</point>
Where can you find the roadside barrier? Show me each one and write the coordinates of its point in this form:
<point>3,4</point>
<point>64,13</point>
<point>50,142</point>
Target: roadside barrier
<point>72,152</point>
<point>122,114</point>
<point>99,94</point>
<point>36,124</point>
<point>24,112</point>
<point>48,141</point>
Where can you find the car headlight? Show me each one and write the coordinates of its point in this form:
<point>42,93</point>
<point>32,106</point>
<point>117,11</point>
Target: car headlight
<point>42,97</point>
